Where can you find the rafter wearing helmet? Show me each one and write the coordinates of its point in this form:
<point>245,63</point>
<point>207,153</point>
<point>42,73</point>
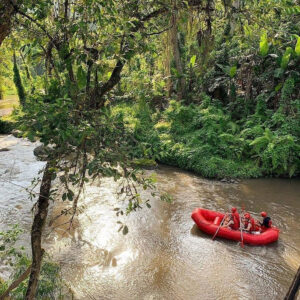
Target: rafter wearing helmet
<point>266,222</point>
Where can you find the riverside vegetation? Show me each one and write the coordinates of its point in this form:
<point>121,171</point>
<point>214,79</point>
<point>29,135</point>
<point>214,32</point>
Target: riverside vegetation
<point>237,113</point>
<point>208,86</point>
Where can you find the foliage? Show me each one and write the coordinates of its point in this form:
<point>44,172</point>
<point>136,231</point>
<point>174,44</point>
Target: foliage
<point>5,126</point>
<point>249,72</point>
<point>18,83</point>
<point>50,284</point>
<point>263,45</point>
<point>101,76</point>
<point>5,71</point>
<point>206,140</point>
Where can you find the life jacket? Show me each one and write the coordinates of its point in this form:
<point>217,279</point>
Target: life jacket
<point>267,223</point>
<point>236,219</point>
<point>253,227</point>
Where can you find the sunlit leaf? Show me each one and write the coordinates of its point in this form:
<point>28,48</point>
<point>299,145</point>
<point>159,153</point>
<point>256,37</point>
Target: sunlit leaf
<point>297,47</point>
<point>193,60</point>
<point>232,71</point>
<point>263,45</point>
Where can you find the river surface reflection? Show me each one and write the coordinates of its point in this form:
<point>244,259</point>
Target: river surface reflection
<point>164,255</point>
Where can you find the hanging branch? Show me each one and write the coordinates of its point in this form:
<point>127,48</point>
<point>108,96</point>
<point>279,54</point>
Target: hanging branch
<point>159,32</point>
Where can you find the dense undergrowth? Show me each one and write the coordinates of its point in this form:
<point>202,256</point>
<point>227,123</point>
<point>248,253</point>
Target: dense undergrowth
<point>207,140</point>
<point>240,115</point>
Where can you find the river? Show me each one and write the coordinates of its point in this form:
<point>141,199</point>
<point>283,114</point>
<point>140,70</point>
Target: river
<point>164,255</point>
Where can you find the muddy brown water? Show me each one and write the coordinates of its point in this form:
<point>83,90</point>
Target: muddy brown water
<point>164,255</point>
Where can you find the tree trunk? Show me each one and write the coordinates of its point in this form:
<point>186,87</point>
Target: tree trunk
<point>176,56</point>
<point>6,13</point>
<point>294,288</point>
<point>37,230</point>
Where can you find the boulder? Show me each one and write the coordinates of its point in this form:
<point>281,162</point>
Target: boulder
<point>16,133</point>
<point>41,152</point>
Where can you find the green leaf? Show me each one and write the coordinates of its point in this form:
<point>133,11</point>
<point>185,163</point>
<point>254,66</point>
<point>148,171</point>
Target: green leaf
<point>70,195</point>
<point>263,45</point>
<point>286,58</point>
<point>292,170</point>
<point>108,75</point>
<point>193,60</point>
<point>278,73</point>
<point>297,47</point>
<point>278,87</point>
<point>166,198</point>
<point>162,83</point>
<point>81,77</point>
<point>232,71</point>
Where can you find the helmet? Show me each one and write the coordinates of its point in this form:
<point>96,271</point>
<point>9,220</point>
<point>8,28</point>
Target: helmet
<point>247,215</point>
<point>263,214</point>
<point>233,209</point>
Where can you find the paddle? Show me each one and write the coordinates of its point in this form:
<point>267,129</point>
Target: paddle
<point>219,227</point>
<point>242,239</point>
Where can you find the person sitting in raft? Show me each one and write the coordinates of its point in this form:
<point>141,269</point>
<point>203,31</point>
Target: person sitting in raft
<point>228,221</point>
<point>249,223</point>
<point>236,218</point>
<point>266,223</point>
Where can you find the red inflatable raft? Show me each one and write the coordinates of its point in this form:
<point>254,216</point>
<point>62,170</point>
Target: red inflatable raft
<point>209,221</point>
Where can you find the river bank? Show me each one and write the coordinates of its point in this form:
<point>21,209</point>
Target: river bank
<point>208,139</point>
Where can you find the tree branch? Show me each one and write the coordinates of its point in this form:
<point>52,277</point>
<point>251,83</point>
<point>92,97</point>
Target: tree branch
<point>159,32</point>
<point>124,53</point>
<point>17,10</point>
<point>16,283</point>
<point>154,14</point>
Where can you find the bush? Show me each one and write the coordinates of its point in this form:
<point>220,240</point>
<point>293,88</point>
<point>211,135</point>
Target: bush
<point>5,127</point>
